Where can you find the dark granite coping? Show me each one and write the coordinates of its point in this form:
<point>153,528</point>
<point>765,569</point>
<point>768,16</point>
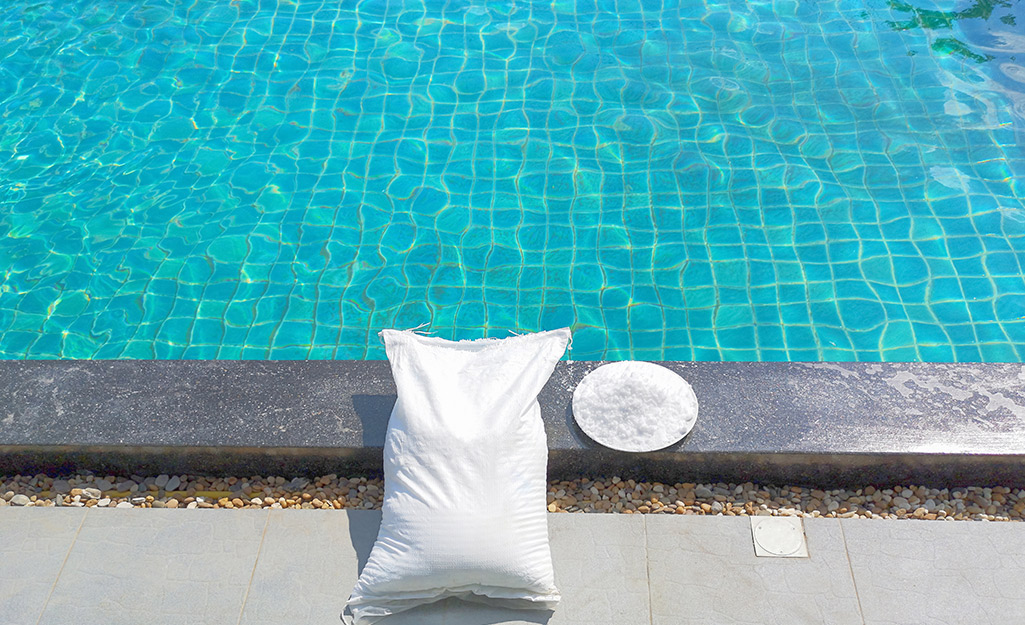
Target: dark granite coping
<point>827,424</point>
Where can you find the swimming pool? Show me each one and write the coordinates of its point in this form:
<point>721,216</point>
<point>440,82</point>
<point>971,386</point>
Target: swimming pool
<point>778,180</point>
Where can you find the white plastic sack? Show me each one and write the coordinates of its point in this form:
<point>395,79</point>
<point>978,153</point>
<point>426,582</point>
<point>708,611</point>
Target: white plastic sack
<point>465,465</point>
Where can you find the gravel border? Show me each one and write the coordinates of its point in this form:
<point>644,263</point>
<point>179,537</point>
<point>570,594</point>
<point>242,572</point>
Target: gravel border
<point>602,495</point>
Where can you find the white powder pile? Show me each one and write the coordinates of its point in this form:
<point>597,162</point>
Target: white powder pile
<point>634,406</point>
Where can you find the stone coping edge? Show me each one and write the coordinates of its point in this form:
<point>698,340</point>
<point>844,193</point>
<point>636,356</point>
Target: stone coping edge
<point>815,424</point>
<point>824,471</point>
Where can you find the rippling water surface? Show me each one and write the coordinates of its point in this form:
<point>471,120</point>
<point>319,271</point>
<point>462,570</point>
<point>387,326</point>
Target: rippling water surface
<point>787,180</point>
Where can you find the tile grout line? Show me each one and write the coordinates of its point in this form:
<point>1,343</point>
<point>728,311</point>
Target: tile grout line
<point>850,567</point>
<point>63,564</point>
<point>647,572</point>
<point>252,574</point>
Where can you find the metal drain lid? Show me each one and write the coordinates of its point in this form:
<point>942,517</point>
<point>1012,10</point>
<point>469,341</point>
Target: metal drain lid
<point>779,537</point>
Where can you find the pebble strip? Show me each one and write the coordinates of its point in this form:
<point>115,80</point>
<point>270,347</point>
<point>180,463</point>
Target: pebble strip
<point>607,495</point>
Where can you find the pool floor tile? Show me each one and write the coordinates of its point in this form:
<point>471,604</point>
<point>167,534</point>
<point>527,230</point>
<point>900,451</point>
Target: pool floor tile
<point>942,573</point>
<point>157,567</point>
<point>704,570</point>
<point>34,543</point>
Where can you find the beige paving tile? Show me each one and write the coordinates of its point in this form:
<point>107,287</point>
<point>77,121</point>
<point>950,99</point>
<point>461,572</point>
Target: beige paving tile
<point>158,567</point>
<point>600,568</point>
<point>34,543</point>
<point>941,573</point>
<point>309,563</point>
<point>704,570</point>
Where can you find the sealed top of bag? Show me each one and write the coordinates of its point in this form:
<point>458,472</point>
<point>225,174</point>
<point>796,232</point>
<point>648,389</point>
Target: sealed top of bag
<point>419,336</point>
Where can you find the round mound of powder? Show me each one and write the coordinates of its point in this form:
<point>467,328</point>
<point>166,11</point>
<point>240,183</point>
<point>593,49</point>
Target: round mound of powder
<point>634,406</point>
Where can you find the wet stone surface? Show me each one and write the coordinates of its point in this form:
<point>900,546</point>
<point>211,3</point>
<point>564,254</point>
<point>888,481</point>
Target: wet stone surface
<point>827,424</point>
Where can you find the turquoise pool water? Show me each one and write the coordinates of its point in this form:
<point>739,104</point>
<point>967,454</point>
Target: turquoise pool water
<point>778,180</point>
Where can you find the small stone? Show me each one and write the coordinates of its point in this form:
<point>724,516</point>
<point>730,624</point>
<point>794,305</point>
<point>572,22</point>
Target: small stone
<point>257,501</point>
<point>123,504</point>
<point>158,504</point>
<point>61,486</point>
<point>76,492</point>
<point>172,503</point>
<point>20,500</point>
<point>192,505</point>
<point>103,485</point>
<point>702,492</point>
<point>103,503</point>
<point>716,506</point>
<point>137,500</point>
<point>126,485</point>
<point>238,503</point>
<point>162,480</point>
<point>91,493</point>
<point>173,483</point>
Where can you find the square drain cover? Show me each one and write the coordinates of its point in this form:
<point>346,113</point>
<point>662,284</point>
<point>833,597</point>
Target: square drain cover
<point>779,537</point>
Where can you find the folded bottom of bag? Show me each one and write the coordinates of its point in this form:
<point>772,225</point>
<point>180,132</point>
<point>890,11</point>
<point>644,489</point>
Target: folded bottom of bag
<point>369,610</point>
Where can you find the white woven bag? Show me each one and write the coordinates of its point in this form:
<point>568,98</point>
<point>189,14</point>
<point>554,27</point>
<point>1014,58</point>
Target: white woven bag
<point>465,476</point>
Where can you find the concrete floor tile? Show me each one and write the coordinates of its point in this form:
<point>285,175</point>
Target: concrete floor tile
<point>600,568</point>
<point>936,572</point>
<point>309,563</point>
<point>34,543</point>
<point>704,570</point>
<point>157,567</point>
